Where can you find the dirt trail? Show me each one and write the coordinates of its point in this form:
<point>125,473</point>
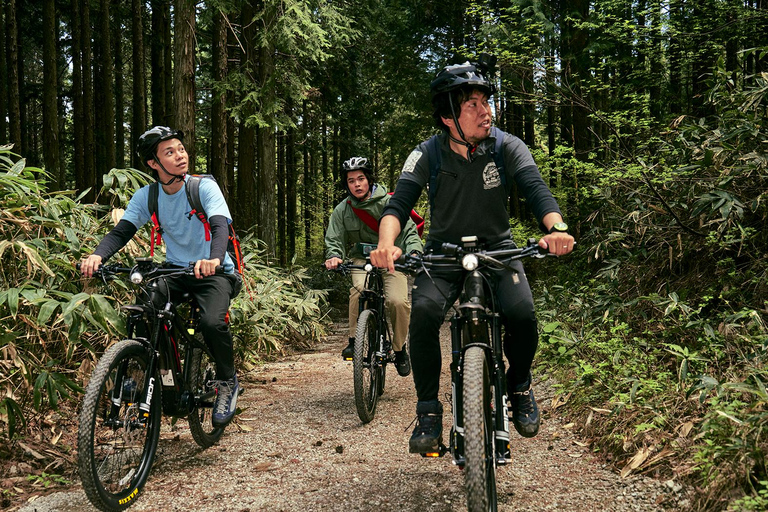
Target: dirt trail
<point>299,445</point>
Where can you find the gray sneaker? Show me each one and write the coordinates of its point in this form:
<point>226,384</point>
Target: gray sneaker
<point>226,401</point>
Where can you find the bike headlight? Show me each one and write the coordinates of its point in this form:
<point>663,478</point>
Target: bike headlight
<point>368,267</point>
<point>470,262</point>
<point>136,277</point>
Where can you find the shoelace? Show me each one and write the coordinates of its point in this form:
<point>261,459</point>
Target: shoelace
<point>426,423</point>
<point>224,389</point>
<point>525,401</point>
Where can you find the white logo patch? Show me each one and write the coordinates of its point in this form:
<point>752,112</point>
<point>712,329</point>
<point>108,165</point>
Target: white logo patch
<point>491,178</point>
<point>413,159</point>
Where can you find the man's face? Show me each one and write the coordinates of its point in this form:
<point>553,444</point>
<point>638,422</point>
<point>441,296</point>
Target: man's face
<point>173,157</point>
<point>475,118</point>
<point>358,184</point>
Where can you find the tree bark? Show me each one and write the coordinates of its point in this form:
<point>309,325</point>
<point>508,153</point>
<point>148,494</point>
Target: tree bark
<point>14,95</point>
<point>184,75</point>
<point>89,144</point>
<point>50,100</point>
<point>3,80</point>
<point>267,221</point>
<point>161,29</point>
<point>119,88</point>
<point>139,101</point>
<point>78,124</point>
<point>107,114</point>
<point>246,155</point>
<point>218,160</point>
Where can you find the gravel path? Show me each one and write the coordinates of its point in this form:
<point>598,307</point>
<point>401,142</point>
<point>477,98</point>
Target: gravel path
<point>299,445</point>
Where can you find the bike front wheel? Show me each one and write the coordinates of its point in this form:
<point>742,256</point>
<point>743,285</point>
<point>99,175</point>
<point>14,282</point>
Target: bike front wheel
<point>480,468</point>
<point>202,372</point>
<point>116,441</point>
<point>367,372</point>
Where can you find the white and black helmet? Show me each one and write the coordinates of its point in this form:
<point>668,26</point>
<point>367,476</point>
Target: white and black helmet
<point>356,163</point>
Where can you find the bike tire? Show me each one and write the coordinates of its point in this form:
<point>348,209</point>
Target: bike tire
<point>202,371</point>
<point>367,374</point>
<point>116,448</point>
<point>480,466</point>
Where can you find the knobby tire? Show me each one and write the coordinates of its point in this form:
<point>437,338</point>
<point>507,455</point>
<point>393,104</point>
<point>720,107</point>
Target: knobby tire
<point>116,447</point>
<point>367,376</point>
<point>202,371</point>
<point>480,468</point>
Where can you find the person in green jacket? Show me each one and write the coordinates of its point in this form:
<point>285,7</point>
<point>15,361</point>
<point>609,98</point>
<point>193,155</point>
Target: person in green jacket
<point>346,229</point>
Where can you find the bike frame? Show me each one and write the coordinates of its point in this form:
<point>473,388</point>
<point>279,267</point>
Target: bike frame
<point>372,297</point>
<point>166,328</point>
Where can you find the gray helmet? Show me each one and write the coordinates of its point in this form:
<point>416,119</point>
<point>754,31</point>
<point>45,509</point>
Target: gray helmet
<point>356,163</point>
<point>146,148</point>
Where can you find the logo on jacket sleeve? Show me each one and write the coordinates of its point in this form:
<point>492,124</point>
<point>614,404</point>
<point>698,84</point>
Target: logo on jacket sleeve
<point>491,178</point>
<point>413,159</point>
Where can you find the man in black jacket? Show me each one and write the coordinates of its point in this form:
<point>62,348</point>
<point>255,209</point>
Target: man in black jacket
<point>469,196</point>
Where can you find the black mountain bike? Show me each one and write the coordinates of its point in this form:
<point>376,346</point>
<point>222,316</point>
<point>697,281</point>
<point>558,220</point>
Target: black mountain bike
<point>373,341</point>
<point>163,367</point>
<point>479,439</point>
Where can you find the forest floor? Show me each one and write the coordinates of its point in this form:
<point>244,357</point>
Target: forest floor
<point>298,444</point>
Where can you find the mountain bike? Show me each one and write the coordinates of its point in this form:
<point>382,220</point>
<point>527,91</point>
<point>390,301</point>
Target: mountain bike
<point>479,437</point>
<point>373,341</point>
<point>163,367</point>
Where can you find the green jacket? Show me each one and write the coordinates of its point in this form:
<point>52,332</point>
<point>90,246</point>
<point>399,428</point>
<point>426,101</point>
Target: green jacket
<point>345,229</point>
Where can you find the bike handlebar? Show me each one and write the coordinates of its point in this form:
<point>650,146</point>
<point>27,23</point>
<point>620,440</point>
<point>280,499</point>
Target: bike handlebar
<point>147,270</point>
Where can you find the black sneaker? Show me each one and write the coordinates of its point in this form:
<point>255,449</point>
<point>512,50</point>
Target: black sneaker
<point>349,351</point>
<point>226,401</point>
<point>403,363</point>
<point>525,412</point>
<point>428,434</point>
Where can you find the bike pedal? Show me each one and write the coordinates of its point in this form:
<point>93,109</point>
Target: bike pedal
<point>347,358</point>
<point>441,450</point>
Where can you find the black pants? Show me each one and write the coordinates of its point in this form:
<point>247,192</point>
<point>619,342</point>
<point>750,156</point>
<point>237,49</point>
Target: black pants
<point>429,307</point>
<point>213,294</point>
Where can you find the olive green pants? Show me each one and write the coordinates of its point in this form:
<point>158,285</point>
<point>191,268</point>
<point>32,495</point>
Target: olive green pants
<point>397,303</point>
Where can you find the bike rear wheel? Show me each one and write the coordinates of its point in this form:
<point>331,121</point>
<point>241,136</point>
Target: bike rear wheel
<point>367,372</point>
<point>116,443</point>
<point>480,468</point>
<point>202,372</point>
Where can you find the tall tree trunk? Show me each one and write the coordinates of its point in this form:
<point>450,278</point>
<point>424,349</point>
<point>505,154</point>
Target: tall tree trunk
<point>305,197</point>
<point>89,144</point>
<point>218,160</point>
<point>119,89</point>
<point>78,124</point>
<point>267,202</point>
<point>3,80</point>
<point>281,202</point>
<point>139,101</point>
<point>161,25</point>
<point>14,95</point>
<point>327,179</point>
<point>50,100</point>
<point>184,75</point>
<point>291,177</point>
<point>107,113</point>
<point>246,156</point>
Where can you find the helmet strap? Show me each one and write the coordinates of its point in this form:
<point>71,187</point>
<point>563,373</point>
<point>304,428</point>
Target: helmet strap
<point>175,177</point>
<point>464,142</point>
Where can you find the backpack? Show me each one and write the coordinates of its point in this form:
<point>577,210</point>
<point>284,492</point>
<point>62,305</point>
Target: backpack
<point>436,160</point>
<point>373,223</point>
<point>193,196</point>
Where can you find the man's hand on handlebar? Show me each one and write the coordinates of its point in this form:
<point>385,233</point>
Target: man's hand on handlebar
<point>206,267</point>
<point>558,244</point>
<point>333,262</point>
<point>90,265</point>
<point>384,256</point>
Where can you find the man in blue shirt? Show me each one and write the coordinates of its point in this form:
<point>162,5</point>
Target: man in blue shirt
<point>162,149</point>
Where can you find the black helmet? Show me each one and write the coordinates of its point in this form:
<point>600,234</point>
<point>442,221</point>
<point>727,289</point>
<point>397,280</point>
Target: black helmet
<point>467,74</point>
<point>146,148</point>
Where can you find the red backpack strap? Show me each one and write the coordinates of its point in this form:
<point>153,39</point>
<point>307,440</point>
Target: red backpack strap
<point>156,236</point>
<point>366,217</point>
<point>417,219</point>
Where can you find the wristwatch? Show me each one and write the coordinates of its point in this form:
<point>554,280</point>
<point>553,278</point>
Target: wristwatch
<point>559,227</point>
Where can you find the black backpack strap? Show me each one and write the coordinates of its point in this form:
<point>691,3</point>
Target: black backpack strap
<point>498,154</point>
<point>192,187</point>
<point>435,161</point>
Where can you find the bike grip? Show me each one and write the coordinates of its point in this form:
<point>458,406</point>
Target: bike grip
<point>77,266</point>
<point>449,248</point>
